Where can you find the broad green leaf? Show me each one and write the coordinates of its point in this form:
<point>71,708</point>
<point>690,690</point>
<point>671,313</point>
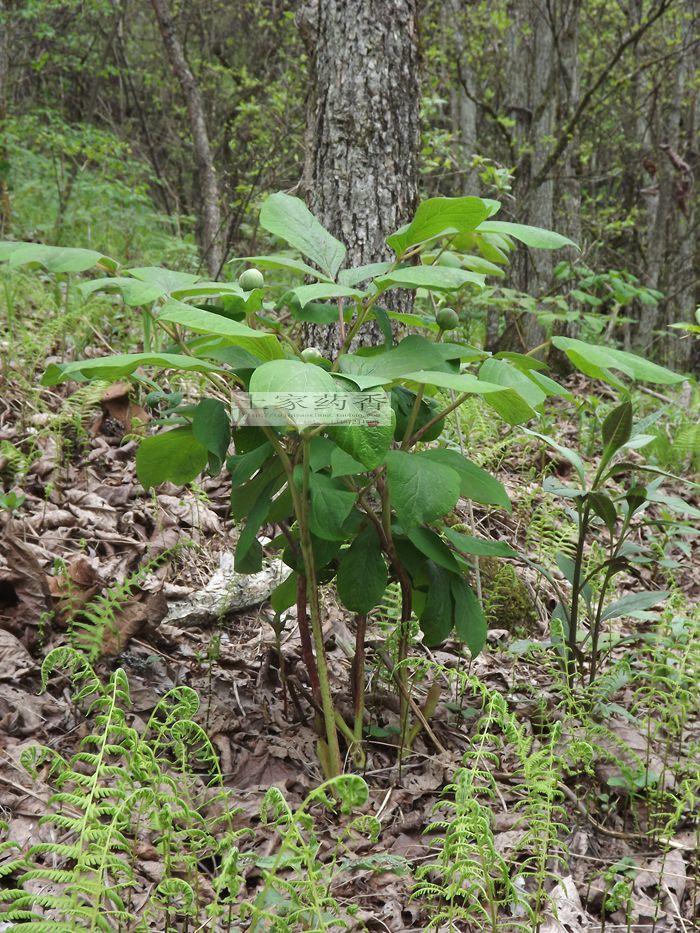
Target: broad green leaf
<point>166,279</point>
<point>441,216</point>
<point>434,278</point>
<point>617,427</point>
<point>474,483</point>
<point>342,464</point>
<point>503,374</point>
<point>220,349</point>
<point>172,456</point>
<point>132,291</point>
<point>280,261</point>
<point>481,547</point>
<point>509,404</point>
<point>316,312</point>
<point>243,466</point>
<point>362,573</point>
<point>111,368</point>
<point>367,444</point>
<point>255,520</point>
<point>320,453</point>
<point>360,274</point>
<point>264,346</point>
<point>211,427</point>
<point>205,289</point>
<point>530,236</point>
<point>414,351</point>
<point>331,504</point>
<point>284,594</point>
<point>420,488</point>
<point>414,320</point>
<point>244,497</point>
<point>291,376</point>
<point>437,616</point>
<point>604,508</point>
<point>605,358</point>
<point>321,290</point>
<point>289,218</point>
<point>433,547</point>
<point>634,602</point>
<point>469,619</point>
<point>56,259</point>
<point>402,403</point>
<point>479,264</point>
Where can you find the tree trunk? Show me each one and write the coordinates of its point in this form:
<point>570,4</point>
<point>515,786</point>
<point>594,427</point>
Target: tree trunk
<point>211,224</point>
<point>5,211</point>
<point>462,105</point>
<point>361,169</point>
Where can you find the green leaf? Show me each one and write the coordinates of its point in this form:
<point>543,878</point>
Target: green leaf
<point>173,456</point>
<point>604,508</point>
<point>243,466</point>
<point>501,373</point>
<point>243,497</point>
<point>617,427</point>
<point>367,444</point>
<point>289,218</point>
<point>265,346</point>
<point>363,273</point>
<point>280,261</point>
<point>211,427</point>
<point>469,620</point>
<point>256,518</point>
<point>441,216</point>
<point>434,278</point>
<point>132,291</point>
<point>595,361</point>
<point>474,483</point>
<point>402,403</point>
<point>530,236</point>
<point>331,504</point>
<point>56,259</point>
<point>420,488</point>
<point>284,594</point>
<point>633,602</point>
<point>362,573</point>
<point>321,290</point>
<point>506,401</point>
<point>413,352</point>
<point>291,376</point>
<point>165,279</point>
<point>317,312</point>
<point>437,617</point>
<point>343,464</point>
<point>111,368</point>
<point>481,547</point>
<point>433,547</point>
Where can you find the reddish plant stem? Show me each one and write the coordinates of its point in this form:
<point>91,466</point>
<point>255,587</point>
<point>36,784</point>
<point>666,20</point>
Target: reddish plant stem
<point>307,650</point>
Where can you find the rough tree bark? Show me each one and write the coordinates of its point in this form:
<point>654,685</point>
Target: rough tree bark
<point>210,214</point>
<point>362,128</point>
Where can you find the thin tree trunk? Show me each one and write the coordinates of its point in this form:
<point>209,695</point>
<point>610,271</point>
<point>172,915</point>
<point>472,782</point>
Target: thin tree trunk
<point>463,107</point>
<point>362,129</point>
<point>567,212</point>
<point>211,224</point>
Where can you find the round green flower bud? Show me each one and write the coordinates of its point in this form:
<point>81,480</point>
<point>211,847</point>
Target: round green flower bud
<point>250,279</point>
<point>447,319</point>
<point>311,354</point>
